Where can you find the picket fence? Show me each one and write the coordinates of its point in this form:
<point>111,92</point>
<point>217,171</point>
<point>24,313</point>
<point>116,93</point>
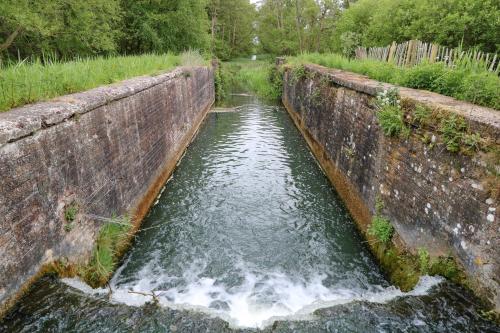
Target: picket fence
<point>414,52</point>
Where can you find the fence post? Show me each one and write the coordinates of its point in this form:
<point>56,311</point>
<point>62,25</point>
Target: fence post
<point>434,53</point>
<point>392,50</point>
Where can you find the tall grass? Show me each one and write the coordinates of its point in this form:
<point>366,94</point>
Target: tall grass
<point>112,239</point>
<point>36,80</point>
<point>254,76</point>
<point>192,58</point>
<point>465,81</point>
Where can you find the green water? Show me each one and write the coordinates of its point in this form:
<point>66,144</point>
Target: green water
<point>248,235</point>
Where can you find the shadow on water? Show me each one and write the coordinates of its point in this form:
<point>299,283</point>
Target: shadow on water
<point>248,236</point>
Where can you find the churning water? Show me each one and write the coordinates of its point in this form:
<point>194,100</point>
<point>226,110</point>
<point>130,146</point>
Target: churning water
<point>247,235</point>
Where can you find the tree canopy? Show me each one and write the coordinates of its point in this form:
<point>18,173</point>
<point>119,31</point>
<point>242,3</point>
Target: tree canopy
<point>233,28</point>
<point>63,27</point>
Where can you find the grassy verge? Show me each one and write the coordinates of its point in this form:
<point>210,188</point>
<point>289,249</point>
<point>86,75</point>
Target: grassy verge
<point>465,82</point>
<point>31,81</point>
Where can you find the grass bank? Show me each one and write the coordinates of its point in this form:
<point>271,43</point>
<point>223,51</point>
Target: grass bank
<point>37,80</point>
<point>466,82</point>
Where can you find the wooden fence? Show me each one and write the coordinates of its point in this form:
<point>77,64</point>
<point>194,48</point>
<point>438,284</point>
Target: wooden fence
<point>414,52</point>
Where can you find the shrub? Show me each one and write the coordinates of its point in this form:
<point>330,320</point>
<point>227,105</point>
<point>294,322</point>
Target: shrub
<point>381,228</point>
<point>275,77</point>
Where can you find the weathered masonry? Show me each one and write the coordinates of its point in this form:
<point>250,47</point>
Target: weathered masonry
<point>440,201</point>
<point>109,150</point>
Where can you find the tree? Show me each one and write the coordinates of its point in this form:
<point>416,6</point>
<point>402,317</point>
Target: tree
<point>292,26</point>
<point>164,25</point>
<point>472,23</point>
<point>65,28</point>
<point>232,27</point>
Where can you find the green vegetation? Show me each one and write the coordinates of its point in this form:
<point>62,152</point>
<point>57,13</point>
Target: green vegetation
<point>294,27</point>
<point>405,268</point>
<point>259,77</point>
<point>231,28</point>
<point>113,238</point>
<point>465,82</point>
<point>423,260</point>
<point>28,82</point>
<point>381,228</point>
<point>452,129</point>
<point>68,29</point>
<point>471,23</point>
<point>71,211</point>
<point>390,115</point>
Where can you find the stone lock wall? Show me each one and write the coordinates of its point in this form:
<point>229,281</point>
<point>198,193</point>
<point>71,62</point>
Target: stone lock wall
<point>435,199</point>
<point>109,150</point>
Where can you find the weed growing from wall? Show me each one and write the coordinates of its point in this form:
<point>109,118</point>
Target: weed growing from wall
<point>390,115</point>
<point>70,214</point>
<point>275,77</point>
<point>423,260</point>
<point>381,228</point>
<point>297,73</point>
<point>452,129</point>
<point>112,237</point>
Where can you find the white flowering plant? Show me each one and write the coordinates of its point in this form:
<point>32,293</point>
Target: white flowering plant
<point>388,97</point>
<point>390,115</point>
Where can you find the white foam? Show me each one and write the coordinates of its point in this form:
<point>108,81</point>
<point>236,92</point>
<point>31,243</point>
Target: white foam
<point>257,302</point>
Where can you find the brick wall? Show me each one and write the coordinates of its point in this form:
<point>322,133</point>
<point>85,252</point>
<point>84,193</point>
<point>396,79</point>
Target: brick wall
<point>109,150</point>
<point>435,199</point>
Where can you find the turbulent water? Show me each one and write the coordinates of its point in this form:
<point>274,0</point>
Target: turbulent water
<point>247,235</point>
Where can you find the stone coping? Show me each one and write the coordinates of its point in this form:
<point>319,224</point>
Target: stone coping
<point>26,120</point>
<point>481,118</point>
